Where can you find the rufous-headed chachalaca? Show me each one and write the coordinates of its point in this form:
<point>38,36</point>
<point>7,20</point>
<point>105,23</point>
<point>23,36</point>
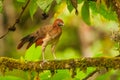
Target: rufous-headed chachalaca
<point>48,34</point>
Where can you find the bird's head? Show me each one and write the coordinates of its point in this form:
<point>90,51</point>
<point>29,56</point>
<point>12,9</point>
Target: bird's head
<point>59,22</point>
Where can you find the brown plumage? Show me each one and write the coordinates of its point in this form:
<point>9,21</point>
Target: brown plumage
<point>48,34</point>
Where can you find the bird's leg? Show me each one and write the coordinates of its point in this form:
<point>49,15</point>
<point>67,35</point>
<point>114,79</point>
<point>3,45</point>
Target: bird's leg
<point>53,50</point>
<point>43,50</point>
<point>43,53</point>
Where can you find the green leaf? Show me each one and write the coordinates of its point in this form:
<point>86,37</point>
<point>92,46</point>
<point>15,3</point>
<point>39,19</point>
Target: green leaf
<point>80,1</point>
<point>45,75</point>
<point>102,10</point>
<point>62,75</point>
<point>58,1</point>
<point>1,6</point>
<point>108,14</point>
<point>44,4</point>
<point>69,5</point>
<point>85,12</point>
<point>9,78</point>
<point>33,54</point>
<point>33,8</point>
<point>21,1</point>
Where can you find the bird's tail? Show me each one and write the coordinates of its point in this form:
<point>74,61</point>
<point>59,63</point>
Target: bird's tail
<point>27,38</point>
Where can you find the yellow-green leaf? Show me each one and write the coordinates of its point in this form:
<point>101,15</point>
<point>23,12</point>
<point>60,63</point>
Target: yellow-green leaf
<point>33,8</point>
<point>58,1</point>
<point>69,5</point>
<point>1,6</point>
<point>21,1</point>
<point>85,13</point>
<point>44,4</point>
<point>33,54</point>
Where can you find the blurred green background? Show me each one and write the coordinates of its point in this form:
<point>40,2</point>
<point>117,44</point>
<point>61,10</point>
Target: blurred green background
<point>88,34</point>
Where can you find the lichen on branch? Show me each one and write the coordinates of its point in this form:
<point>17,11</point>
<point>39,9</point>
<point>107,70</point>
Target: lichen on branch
<point>81,63</point>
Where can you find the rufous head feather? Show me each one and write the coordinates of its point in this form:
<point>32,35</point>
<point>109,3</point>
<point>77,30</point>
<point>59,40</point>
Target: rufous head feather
<point>58,22</point>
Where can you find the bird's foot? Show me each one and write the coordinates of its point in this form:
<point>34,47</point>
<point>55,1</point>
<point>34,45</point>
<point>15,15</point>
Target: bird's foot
<point>43,62</point>
<point>55,58</point>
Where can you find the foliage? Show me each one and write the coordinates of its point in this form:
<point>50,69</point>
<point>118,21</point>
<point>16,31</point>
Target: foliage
<point>100,8</point>
<point>33,54</point>
<point>1,5</point>
<point>85,12</point>
<point>68,48</point>
<point>10,78</point>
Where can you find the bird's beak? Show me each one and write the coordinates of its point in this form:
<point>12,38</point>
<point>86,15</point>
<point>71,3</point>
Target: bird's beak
<point>61,24</point>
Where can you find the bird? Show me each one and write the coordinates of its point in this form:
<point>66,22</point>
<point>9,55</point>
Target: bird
<point>45,35</point>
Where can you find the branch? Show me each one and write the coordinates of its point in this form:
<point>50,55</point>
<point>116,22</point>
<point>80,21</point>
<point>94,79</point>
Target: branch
<point>13,28</point>
<point>82,63</point>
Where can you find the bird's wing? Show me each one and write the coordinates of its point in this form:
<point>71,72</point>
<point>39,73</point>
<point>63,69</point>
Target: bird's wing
<point>41,33</point>
<point>35,36</point>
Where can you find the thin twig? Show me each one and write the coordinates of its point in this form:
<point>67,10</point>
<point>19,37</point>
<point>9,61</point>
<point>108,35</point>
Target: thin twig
<point>90,75</point>
<point>13,28</point>
<point>4,34</point>
<point>94,72</point>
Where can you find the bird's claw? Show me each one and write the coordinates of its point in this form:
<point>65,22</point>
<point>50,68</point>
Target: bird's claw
<point>43,62</point>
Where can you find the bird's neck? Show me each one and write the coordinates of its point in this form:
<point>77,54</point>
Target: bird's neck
<point>55,25</point>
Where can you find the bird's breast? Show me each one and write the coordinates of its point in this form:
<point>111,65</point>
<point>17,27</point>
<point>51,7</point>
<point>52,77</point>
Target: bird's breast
<point>55,32</point>
<point>49,40</point>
